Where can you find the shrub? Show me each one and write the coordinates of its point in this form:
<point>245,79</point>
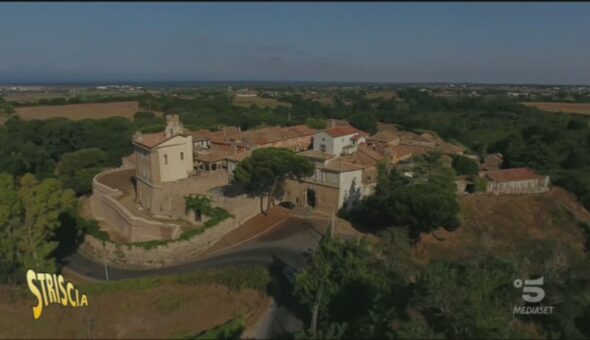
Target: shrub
<point>465,165</point>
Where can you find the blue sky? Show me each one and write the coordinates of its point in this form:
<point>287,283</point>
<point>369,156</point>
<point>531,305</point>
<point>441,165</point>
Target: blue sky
<point>383,42</point>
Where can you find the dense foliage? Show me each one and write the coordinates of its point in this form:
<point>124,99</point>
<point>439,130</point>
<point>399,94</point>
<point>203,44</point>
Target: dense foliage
<point>30,214</point>
<point>423,202</point>
<point>266,169</point>
<point>382,291</point>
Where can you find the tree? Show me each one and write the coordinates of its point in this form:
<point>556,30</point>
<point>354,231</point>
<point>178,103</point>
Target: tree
<point>465,165</point>
<point>76,169</point>
<point>470,300</point>
<point>10,219</point>
<point>267,168</point>
<point>43,203</point>
<point>423,203</point>
<point>200,204</point>
<point>365,122</point>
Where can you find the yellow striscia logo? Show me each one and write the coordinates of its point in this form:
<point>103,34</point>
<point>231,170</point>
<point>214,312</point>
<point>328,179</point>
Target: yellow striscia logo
<point>53,289</point>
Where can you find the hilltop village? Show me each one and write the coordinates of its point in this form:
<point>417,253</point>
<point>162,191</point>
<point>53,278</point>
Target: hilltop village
<point>144,199</point>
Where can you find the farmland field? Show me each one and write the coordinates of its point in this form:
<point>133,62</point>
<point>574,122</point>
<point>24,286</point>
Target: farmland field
<point>80,111</point>
<point>583,108</point>
<point>259,101</point>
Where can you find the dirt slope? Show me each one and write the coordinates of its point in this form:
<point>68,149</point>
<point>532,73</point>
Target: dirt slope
<point>503,224</point>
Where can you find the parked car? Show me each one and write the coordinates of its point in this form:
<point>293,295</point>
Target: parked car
<point>287,205</point>
<point>290,273</point>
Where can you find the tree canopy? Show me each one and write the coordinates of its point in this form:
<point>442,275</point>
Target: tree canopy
<point>29,217</point>
<point>267,168</point>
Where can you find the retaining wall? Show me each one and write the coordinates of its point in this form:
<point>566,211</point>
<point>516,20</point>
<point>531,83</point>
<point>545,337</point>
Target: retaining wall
<point>105,207</point>
<point>172,253</point>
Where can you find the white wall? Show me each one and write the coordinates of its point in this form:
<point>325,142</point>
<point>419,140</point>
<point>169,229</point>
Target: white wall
<point>350,186</point>
<point>334,145</point>
<point>176,168</point>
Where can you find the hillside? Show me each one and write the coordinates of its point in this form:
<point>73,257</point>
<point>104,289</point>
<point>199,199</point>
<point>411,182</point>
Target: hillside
<point>505,224</point>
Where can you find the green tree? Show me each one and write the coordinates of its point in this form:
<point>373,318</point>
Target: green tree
<point>471,300</point>
<point>200,204</point>
<point>43,203</point>
<point>465,165</point>
<point>364,121</point>
<point>85,158</point>
<point>76,169</point>
<point>11,211</point>
<point>267,168</point>
<point>423,203</point>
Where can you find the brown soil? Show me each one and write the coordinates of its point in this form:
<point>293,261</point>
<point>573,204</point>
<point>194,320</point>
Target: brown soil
<point>583,108</point>
<point>251,228</point>
<point>80,111</point>
<point>158,312</point>
<point>505,223</point>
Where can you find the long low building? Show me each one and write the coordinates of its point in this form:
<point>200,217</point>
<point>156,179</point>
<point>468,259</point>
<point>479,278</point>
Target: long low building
<point>516,181</point>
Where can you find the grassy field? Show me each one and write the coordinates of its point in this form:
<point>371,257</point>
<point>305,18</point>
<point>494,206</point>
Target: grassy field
<point>80,111</point>
<point>164,308</point>
<point>259,101</point>
<point>505,224</point>
<point>583,108</point>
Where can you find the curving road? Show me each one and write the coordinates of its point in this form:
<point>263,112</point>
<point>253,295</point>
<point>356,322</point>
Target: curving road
<point>287,243</point>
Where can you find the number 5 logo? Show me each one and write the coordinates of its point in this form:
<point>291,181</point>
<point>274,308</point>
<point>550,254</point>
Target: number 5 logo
<point>532,291</point>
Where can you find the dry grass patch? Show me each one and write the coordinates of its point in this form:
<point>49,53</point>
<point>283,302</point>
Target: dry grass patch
<point>583,108</point>
<point>80,111</point>
<point>504,224</point>
<point>137,309</point>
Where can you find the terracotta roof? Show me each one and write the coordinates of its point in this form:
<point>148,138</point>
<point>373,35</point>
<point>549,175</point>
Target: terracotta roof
<point>384,136</point>
<point>219,136</point>
<point>314,154</point>
<point>340,165</point>
<point>237,157</point>
<point>150,140</point>
<point>401,150</point>
<point>213,156</point>
<point>340,131</point>
<point>370,152</point>
<point>512,175</point>
<point>275,134</point>
<point>360,135</point>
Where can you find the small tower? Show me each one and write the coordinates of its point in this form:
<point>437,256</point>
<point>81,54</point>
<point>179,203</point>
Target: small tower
<point>173,126</point>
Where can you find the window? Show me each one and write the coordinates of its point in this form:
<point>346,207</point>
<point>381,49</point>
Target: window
<point>182,156</point>
<point>165,159</point>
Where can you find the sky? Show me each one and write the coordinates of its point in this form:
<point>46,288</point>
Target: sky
<point>544,43</point>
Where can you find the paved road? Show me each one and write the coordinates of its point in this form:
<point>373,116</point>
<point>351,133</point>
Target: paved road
<point>288,242</point>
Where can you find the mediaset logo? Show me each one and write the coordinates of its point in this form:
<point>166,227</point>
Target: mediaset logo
<point>532,292</point>
<point>52,288</point>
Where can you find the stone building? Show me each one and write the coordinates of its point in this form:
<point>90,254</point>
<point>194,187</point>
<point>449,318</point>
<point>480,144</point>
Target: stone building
<point>516,181</point>
<point>160,158</point>
<point>345,171</point>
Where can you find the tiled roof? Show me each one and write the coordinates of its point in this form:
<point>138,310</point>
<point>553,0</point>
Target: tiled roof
<point>149,140</point>
<point>314,154</point>
<point>237,157</point>
<point>512,175</point>
<point>370,152</point>
<point>384,136</point>
<point>213,156</point>
<point>340,165</point>
<point>340,131</point>
<point>275,134</point>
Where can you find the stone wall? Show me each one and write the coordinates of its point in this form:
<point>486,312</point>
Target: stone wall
<point>105,207</point>
<point>532,186</point>
<point>172,253</point>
